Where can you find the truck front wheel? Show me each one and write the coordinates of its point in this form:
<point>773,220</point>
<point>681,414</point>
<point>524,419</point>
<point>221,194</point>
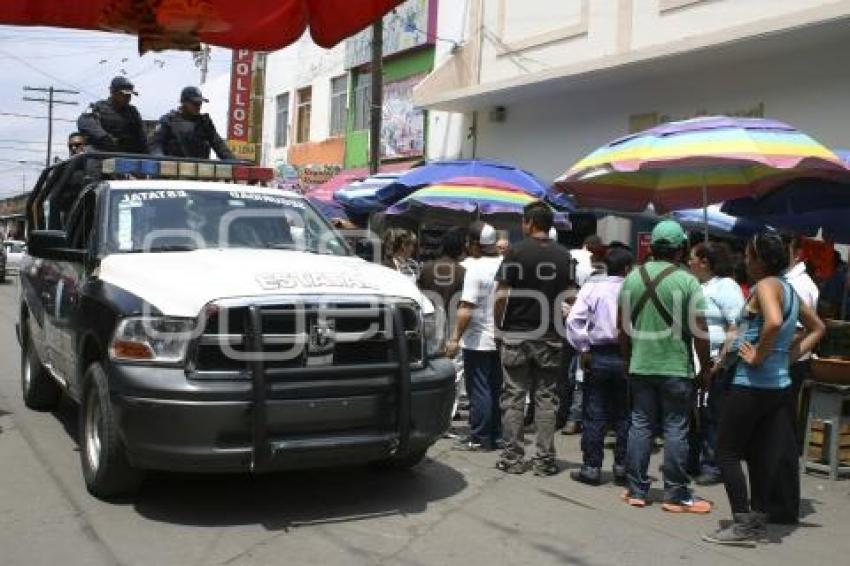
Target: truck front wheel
<point>106,470</point>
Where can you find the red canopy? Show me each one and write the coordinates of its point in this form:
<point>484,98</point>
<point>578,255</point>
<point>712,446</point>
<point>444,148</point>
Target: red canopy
<point>260,25</point>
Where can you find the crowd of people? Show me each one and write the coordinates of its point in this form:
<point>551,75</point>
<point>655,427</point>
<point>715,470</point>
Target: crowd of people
<point>115,125</point>
<point>679,349</point>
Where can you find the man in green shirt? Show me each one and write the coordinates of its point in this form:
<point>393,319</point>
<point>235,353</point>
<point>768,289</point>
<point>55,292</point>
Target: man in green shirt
<point>661,319</point>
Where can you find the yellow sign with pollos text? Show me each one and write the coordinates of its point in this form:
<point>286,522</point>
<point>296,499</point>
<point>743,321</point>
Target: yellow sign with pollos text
<point>243,150</point>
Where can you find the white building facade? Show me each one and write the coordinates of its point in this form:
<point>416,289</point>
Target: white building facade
<point>306,106</point>
<point>540,83</point>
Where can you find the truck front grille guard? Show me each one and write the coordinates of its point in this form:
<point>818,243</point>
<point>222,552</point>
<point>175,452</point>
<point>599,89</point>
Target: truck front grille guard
<point>262,450</point>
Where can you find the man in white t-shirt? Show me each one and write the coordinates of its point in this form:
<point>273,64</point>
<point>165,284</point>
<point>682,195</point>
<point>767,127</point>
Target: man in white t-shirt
<point>474,333</point>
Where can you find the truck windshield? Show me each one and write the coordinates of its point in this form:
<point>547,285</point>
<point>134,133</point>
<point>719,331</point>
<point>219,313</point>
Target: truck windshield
<point>185,220</point>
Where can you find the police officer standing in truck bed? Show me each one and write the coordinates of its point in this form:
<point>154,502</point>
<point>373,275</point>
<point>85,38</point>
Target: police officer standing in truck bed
<point>186,132</point>
<point>114,124</point>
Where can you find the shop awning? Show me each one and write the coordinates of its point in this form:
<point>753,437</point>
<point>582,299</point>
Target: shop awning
<point>261,25</point>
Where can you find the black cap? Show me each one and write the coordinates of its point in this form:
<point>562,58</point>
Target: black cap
<point>121,84</point>
<point>192,94</point>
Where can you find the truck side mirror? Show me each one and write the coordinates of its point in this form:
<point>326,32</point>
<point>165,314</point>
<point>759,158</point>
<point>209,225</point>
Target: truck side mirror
<point>53,244</point>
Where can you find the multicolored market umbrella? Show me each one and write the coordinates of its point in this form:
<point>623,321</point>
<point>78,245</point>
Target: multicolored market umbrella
<point>466,196</point>
<point>261,25</point>
<point>494,172</point>
<point>695,163</point>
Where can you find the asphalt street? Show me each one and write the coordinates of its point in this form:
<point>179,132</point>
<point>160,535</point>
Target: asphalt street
<point>455,508</point>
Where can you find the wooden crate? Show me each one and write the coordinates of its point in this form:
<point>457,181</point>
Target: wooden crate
<point>820,437</point>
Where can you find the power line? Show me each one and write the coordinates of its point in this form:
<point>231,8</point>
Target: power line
<point>50,101</point>
<point>18,115</point>
<point>26,149</point>
<point>45,73</point>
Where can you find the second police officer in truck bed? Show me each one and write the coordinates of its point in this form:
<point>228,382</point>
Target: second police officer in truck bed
<point>114,124</point>
<point>186,132</point>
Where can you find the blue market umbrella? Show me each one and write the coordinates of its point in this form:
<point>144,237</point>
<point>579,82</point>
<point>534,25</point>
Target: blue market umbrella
<point>361,197</point>
<point>718,222</point>
<point>442,171</point>
<point>804,205</point>
<point>329,209</point>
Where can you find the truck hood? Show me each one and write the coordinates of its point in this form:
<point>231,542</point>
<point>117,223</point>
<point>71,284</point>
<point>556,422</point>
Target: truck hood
<point>181,283</point>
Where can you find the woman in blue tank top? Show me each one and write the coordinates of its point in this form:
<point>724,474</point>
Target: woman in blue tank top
<point>754,425</point>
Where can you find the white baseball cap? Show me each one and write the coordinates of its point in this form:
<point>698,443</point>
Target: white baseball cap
<point>488,236</point>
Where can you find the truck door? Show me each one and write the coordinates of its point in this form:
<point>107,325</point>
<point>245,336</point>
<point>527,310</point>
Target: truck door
<point>80,225</point>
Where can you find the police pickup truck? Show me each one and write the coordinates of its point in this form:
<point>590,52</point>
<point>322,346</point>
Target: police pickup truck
<point>206,323</point>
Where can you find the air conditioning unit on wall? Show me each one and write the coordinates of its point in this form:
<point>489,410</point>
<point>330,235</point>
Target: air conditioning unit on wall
<point>498,114</point>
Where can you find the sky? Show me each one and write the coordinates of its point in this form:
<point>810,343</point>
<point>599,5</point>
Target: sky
<point>86,61</point>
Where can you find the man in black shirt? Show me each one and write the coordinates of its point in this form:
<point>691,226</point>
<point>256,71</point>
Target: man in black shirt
<point>533,282</point>
<point>114,124</point>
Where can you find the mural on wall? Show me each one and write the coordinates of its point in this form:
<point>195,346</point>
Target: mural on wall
<point>409,25</point>
<point>403,128</point>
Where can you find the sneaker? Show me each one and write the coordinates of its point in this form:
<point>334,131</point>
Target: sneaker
<point>693,505</point>
<point>633,501</point>
<point>619,474</point>
<point>512,466</point>
<point>706,479</point>
<point>744,531</point>
<point>544,467</point>
<point>571,428</point>
<point>588,475</point>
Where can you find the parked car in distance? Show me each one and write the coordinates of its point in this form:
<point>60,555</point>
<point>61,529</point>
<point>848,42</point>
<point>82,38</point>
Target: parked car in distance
<point>14,250</point>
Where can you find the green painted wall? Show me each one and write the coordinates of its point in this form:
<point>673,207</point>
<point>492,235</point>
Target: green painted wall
<point>396,69</point>
<point>357,149</point>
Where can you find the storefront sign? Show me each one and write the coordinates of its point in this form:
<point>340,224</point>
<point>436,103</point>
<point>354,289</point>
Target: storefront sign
<point>411,24</point>
<point>312,175</point>
<point>644,240</point>
<point>239,117</point>
<point>243,150</point>
<point>403,125</point>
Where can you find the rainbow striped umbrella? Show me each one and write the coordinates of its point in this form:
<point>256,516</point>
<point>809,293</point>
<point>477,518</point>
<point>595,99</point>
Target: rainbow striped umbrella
<point>694,163</point>
<point>467,196</point>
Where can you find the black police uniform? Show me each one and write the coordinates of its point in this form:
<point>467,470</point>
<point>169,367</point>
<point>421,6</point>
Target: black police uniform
<point>111,129</point>
<point>186,135</point>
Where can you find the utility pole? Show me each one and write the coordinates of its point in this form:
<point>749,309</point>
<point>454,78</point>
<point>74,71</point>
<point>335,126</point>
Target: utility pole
<point>377,96</point>
<point>50,101</point>
<point>202,61</point>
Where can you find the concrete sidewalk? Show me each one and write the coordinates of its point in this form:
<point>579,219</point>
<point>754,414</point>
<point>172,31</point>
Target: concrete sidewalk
<point>39,524</point>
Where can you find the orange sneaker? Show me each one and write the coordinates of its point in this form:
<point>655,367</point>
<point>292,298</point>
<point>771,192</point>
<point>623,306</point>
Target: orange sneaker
<point>694,505</point>
<point>633,501</point>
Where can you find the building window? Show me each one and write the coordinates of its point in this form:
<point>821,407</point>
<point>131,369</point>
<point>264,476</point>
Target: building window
<point>305,103</point>
<point>281,125</point>
<point>339,103</point>
<point>362,101</point>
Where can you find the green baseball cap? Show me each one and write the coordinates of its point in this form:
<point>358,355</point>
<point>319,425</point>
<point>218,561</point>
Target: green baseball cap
<point>669,232</point>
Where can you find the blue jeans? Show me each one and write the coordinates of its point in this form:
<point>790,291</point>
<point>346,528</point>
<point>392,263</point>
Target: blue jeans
<point>483,373</point>
<point>605,403</point>
<point>670,398</point>
<point>710,418</point>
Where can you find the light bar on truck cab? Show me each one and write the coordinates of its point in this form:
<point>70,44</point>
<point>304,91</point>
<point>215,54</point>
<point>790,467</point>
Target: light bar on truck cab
<point>168,168</point>
<point>205,170</point>
<point>245,173</point>
<point>187,169</point>
<point>223,171</point>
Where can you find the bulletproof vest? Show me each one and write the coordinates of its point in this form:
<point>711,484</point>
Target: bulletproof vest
<point>123,125</point>
<point>189,136</point>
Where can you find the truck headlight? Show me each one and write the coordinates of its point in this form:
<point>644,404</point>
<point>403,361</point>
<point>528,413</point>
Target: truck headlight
<point>434,336</point>
<point>151,339</point>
